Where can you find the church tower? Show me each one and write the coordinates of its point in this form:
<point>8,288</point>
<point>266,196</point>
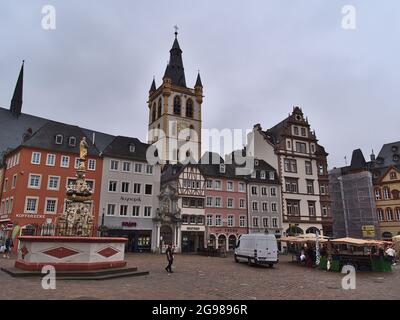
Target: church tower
<point>175,112</point>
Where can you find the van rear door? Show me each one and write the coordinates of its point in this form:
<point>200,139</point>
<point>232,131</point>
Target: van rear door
<point>262,248</point>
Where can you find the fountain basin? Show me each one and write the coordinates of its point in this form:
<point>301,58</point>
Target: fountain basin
<point>70,253</point>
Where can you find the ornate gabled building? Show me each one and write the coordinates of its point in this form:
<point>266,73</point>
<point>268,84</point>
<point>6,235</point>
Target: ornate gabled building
<point>385,169</point>
<point>292,148</point>
<point>183,220</point>
<point>175,112</point>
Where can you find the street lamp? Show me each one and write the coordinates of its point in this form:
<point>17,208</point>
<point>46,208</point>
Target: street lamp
<point>102,222</point>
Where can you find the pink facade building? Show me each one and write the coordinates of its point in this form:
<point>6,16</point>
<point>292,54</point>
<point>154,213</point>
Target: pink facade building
<point>225,205</point>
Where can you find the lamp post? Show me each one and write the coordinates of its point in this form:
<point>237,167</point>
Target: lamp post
<point>102,222</point>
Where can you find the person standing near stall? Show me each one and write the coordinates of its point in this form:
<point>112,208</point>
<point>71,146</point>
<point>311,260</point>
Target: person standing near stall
<point>170,258</point>
<point>391,253</point>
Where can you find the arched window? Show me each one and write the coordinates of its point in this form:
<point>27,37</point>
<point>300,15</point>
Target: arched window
<point>398,214</point>
<point>378,195</point>
<point>154,112</point>
<point>380,214</point>
<point>177,105</point>
<point>159,108</point>
<point>389,214</point>
<point>189,108</point>
<point>386,193</point>
<point>395,194</point>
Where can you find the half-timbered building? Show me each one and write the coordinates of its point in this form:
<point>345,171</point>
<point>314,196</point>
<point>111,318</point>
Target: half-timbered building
<point>181,218</point>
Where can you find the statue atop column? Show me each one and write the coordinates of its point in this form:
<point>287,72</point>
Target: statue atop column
<point>83,151</point>
<point>77,220</point>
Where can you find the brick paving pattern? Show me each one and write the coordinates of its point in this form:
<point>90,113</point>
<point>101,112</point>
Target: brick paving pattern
<point>197,278</point>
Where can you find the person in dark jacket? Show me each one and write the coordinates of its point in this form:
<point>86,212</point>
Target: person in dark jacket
<point>8,245</point>
<point>170,258</point>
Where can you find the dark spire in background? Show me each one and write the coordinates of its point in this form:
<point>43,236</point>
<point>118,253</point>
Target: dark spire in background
<point>175,70</point>
<point>198,81</point>
<point>357,160</point>
<point>153,86</point>
<point>16,101</point>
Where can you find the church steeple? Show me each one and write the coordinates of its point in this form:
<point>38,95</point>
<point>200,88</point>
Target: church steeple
<point>198,81</point>
<point>16,101</point>
<point>153,86</point>
<point>175,70</point>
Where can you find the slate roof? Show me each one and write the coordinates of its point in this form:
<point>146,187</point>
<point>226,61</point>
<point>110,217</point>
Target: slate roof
<point>212,169</point>
<point>388,155</point>
<point>358,160</point>
<point>171,172</point>
<point>45,138</point>
<point>120,148</point>
<point>198,81</point>
<point>175,70</point>
<point>12,129</point>
<point>259,166</point>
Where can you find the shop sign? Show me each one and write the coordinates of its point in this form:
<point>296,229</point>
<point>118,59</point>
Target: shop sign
<point>131,199</point>
<point>193,228</point>
<point>226,230</point>
<point>31,216</point>
<point>4,217</point>
<point>368,231</point>
<point>128,224</point>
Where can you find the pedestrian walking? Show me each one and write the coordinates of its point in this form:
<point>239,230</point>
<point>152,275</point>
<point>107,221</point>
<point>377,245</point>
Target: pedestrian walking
<point>391,253</point>
<point>170,258</point>
<point>8,245</point>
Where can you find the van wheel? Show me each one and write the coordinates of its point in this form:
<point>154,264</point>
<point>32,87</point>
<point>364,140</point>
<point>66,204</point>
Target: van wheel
<point>249,262</point>
<point>236,259</point>
<point>271,265</point>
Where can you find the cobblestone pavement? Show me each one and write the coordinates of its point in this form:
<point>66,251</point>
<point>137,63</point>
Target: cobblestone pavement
<point>198,277</point>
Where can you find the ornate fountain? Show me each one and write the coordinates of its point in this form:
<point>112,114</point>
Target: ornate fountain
<point>74,246</point>
<point>77,220</point>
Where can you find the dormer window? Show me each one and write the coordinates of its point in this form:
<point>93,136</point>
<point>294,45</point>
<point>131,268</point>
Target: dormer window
<point>132,148</point>
<point>271,175</point>
<point>254,174</point>
<point>394,149</point>
<point>59,139</point>
<point>262,174</point>
<point>396,157</point>
<point>222,168</point>
<point>256,163</point>
<point>72,141</point>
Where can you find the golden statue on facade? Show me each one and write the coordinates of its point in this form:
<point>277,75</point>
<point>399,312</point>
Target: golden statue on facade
<point>83,149</point>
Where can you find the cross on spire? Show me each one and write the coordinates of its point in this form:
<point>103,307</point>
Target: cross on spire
<point>176,30</point>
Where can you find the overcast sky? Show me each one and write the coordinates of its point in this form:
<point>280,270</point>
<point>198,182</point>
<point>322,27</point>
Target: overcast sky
<point>257,60</point>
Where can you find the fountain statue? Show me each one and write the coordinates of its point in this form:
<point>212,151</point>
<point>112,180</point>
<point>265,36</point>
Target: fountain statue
<point>77,220</point>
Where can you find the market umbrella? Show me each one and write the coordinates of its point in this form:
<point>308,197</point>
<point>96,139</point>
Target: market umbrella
<point>352,241</point>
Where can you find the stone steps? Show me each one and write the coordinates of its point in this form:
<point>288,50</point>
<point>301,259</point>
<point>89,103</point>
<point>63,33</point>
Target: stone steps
<point>80,275</point>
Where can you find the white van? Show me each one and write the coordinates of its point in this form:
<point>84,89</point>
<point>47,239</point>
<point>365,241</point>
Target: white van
<point>257,249</point>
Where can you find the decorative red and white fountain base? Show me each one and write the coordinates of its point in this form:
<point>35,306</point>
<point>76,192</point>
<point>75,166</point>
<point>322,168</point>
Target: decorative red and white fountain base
<point>70,253</point>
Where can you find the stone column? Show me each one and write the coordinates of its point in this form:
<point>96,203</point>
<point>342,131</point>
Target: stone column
<point>179,237</point>
<point>158,248</point>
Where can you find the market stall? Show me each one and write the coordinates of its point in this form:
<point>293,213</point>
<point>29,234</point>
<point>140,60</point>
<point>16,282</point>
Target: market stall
<point>306,244</point>
<point>362,254</point>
